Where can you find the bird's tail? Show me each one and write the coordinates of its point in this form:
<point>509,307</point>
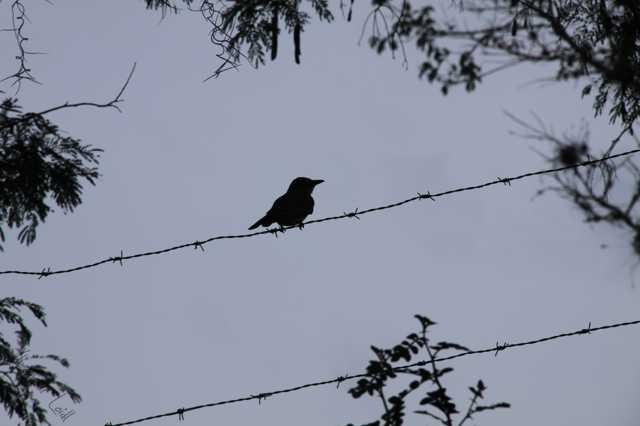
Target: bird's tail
<point>264,222</point>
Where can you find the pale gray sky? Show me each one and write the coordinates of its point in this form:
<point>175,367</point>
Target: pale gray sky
<point>187,160</point>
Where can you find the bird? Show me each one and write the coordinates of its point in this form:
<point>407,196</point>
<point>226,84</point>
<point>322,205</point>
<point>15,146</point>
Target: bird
<point>292,207</point>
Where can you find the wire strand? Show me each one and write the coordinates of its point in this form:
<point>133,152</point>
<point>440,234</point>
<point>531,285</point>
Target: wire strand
<point>45,272</point>
<point>495,349</point>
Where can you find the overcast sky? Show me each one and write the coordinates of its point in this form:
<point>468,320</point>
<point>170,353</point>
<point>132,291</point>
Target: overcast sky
<point>187,160</point>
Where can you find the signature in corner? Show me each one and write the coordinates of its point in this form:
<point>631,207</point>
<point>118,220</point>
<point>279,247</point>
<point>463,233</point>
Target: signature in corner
<point>60,411</point>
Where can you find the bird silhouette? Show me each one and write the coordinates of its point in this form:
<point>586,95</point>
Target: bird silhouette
<point>292,207</point>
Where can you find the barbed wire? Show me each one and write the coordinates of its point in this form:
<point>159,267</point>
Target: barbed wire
<point>199,244</point>
<point>338,380</point>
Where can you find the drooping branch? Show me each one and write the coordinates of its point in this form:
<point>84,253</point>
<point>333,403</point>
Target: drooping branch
<point>592,190</point>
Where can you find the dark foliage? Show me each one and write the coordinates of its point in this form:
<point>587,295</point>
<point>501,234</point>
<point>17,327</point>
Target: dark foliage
<point>255,23</point>
<point>597,41</point>
<point>426,383</point>
<point>22,376</point>
<point>252,25</point>
<point>166,5</point>
<point>38,166</point>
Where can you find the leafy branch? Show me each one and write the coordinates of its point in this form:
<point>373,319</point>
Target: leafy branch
<point>22,375</point>
<point>39,164</point>
<point>435,403</point>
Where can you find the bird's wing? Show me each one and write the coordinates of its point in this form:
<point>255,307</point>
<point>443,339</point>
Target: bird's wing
<point>280,205</point>
<point>289,208</point>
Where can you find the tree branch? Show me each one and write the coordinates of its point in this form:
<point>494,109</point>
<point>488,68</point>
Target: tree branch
<point>110,104</point>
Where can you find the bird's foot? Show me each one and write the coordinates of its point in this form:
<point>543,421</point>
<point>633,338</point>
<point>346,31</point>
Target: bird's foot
<point>275,231</point>
<point>300,226</point>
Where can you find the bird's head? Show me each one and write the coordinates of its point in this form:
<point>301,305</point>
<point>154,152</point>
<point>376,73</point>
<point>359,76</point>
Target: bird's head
<point>304,184</point>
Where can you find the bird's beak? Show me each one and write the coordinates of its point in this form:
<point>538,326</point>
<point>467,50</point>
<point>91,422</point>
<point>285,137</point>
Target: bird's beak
<point>316,182</point>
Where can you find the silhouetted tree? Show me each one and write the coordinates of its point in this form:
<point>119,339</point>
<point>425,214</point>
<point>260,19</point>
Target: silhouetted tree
<point>38,164</point>
<point>23,377</point>
<point>434,402</point>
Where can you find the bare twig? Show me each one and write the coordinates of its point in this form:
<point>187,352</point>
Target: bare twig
<point>220,35</point>
<point>469,412</point>
<point>18,20</point>
<point>110,104</point>
<point>590,191</point>
<point>113,103</point>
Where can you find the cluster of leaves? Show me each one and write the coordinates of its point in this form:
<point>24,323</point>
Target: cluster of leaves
<point>21,374</point>
<point>38,163</point>
<point>253,25</point>
<point>256,24</point>
<point>596,39</point>
<point>435,401</point>
<point>609,32</point>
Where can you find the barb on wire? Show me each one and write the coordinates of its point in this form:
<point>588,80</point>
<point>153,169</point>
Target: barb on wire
<point>500,347</point>
<point>353,214</point>
<point>201,243</point>
<point>428,195</point>
<point>44,272</point>
<point>505,181</point>
<point>341,379</point>
<point>180,412</point>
